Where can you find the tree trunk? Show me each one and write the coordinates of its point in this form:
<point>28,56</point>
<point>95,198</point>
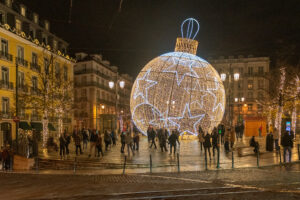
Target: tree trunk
<point>45,129</point>
<point>60,125</point>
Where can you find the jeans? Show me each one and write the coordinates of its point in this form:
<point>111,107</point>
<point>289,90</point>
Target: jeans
<point>78,147</point>
<point>207,149</point>
<point>173,145</point>
<point>163,146</point>
<point>99,148</point>
<point>129,148</point>
<point>136,145</point>
<point>289,149</point>
<point>62,150</point>
<point>122,147</point>
<point>67,149</point>
<point>153,142</point>
<point>85,143</point>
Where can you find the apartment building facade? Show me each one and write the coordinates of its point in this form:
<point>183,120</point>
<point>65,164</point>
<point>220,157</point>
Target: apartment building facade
<point>102,95</point>
<point>246,84</point>
<point>27,49</point>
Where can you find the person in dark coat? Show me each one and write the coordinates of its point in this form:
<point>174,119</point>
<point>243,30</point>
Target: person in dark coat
<point>255,144</point>
<point>173,138</point>
<point>93,140</point>
<point>85,138</point>
<point>113,137</point>
<point>242,127</point>
<point>269,142</point>
<point>237,131</point>
<point>136,140</point>
<point>123,141</point>
<point>152,135</point>
<point>287,143</point>
<point>77,141</point>
<point>68,141</point>
<point>162,137</point>
<point>215,140</point>
<point>207,144</point>
<point>107,140</point>
<point>62,146</point>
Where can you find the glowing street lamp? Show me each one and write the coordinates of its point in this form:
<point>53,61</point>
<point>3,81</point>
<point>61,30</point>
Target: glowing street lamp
<point>122,84</point>
<point>236,76</point>
<point>223,77</point>
<point>111,84</point>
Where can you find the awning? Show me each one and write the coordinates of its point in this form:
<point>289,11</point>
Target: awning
<point>51,127</point>
<point>24,125</point>
<point>37,126</point>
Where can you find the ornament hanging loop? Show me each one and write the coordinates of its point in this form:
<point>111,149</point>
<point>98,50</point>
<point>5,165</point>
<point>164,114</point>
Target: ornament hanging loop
<point>190,26</point>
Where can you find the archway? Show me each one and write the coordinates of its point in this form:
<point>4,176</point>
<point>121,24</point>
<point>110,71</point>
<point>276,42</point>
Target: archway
<point>6,135</point>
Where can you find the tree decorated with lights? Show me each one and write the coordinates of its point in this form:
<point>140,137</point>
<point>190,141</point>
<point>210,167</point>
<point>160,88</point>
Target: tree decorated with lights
<point>178,89</point>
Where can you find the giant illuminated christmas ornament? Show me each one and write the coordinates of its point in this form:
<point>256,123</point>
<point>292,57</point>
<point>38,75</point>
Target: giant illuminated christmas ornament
<point>178,89</point>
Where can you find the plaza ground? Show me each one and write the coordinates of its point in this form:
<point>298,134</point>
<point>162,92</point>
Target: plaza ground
<point>276,182</point>
<point>191,158</point>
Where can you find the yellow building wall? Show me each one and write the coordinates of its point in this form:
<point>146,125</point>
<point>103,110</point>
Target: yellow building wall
<point>29,47</point>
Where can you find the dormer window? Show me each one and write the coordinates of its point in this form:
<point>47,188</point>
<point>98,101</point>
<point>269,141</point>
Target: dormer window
<point>23,10</point>
<point>18,25</point>
<point>54,44</point>
<point>8,3</point>
<point>35,18</point>
<point>47,25</point>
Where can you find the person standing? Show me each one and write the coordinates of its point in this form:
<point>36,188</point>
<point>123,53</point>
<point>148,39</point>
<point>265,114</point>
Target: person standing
<point>215,140</point>
<point>173,138</point>
<point>107,140</point>
<point>99,145</point>
<point>255,144</point>
<point>62,145</point>
<point>113,137</point>
<point>128,142</point>
<point>136,140</point>
<point>68,141</point>
<point>123,141</point>
<point>93,140</point>
<point>287,144</point>
<point>269,142</point>
<point>237,131</point>
<point>162,137</point>
<point>77,141</point>
<point>207,144</point>
<point>276,138</point>
<point>242,127</point>
<point>201,137</point>
<point>227,140</point>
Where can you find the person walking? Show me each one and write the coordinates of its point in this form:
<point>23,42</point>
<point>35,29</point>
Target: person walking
<point>77,141</point>
<point>113,137</point>
<point>237,131</point>
<point>93,140</point>
<point>68,141</point>
<point>207,144</point>
<point>242,127</point>
<point>123,134</point>
<point>287,144</point>
<point>215,140</point>
<point>173,139</point>
<point>269,142</point>
<point>99,145</point>
<point>107,140</point>
<point>201,137</point>
<point>62,146</point>
<point>152,135</point>
<point>255,144</point>
<point>136,140</point>
<point>276,138</point>
<point>128,142</point>
<point>162,137</point>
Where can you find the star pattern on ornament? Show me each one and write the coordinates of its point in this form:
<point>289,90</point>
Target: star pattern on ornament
<point>143,84</point>
<point>181,68</point>
<point>187,122</point>
<point>159,118</point>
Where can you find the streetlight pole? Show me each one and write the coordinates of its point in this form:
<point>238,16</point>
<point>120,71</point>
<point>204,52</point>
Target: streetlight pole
<point>17,104</point>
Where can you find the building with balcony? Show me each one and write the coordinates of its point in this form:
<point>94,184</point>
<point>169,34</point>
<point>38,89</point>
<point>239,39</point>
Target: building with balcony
<point>27,47</point>
<point>102,95</point>
<point>246,83</point>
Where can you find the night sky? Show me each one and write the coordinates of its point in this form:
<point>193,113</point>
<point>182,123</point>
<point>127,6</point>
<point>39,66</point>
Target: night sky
<point>143,29</point>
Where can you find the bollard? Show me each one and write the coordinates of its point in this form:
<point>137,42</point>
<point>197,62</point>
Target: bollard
<point>178,166</point>
<point>218,161</point>
<point>75,165</point>
<point>298,152</point>
<point>257,156</point>
<point>232,158</point>
<point>150,163</point>
<point>11,163</point>
<point>205,159</point>
<point>124,166</point>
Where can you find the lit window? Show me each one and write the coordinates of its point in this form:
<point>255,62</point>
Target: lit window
<point>23,11</point>
<point>250,107</point>
<point>5,105</point>
<point>250,70</point>
<point>250,84</point>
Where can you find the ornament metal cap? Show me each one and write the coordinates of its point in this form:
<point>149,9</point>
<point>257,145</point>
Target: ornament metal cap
<point>186,43</point>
